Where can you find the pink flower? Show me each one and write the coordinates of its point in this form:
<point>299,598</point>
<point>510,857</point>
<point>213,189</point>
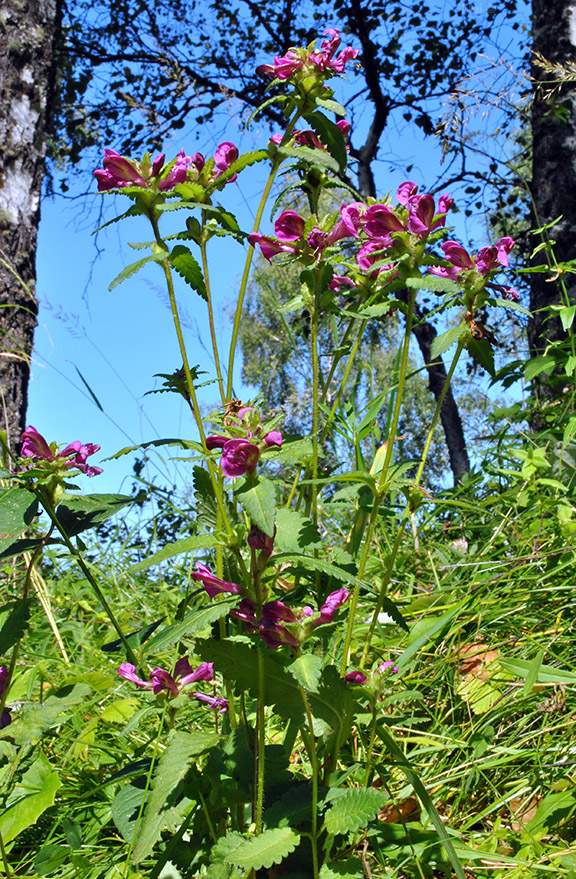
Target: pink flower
<point>177,173</point>
<point>74,456</point>
<point>212,584</point>
<point>503,247</point>
<point>257,540</point>
<point>289,226</point>
<point>275,636</point>
<point>344,126</point>
<point>334,601</point>
<point>384,666</point>
<point>225,155</point>
<point>183,675</point>
<point>274,438</point>
<point>380,221</point>
<point>212,701</point>
<point>355,677</point>
<point>457,255</point>
<point>269,246</point>
<point>421,213</point>
<point>284,66</point>
<point>373,252</point>
<point>405,192</point>
<point>239,456</point>
<point>118,172</point>
<point>246,613</point>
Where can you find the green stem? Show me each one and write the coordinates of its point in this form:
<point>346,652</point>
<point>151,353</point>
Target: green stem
<point>408,510</point>
<point>248,264</point>
<point>345,377</point>
<point>260,745</point>
<point>7,869</point>
<point>314,766</point>
<point>130,656</point>
<point>211,312</point>
<point>314,323</point>
<point>381,488</point>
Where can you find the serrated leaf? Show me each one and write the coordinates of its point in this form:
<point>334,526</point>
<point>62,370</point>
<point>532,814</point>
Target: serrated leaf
<point>441,343</point>
<point>481,351</point>
<point>337,869</point>
<point>186,544</point>
<point>311,156</point>
<point>307,669</point>
<point>294,531</point>
<point>77,514</point>
<point>271,847</point>
<point>181,751</point>
<point>184,263</point>
<point>433,283</point>
<point>354,810</point>
<point>257,497</point>
<point>135,267</point>
<point>239,663</point>
<point>17,510</point>
<point>15,624</point>
<point>331,106</point>
<point>193,623</point>
<point>330,135</point>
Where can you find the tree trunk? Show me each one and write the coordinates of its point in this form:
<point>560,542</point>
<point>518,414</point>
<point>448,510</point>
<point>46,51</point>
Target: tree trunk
<point>28,31</point>
<point>554,164</point>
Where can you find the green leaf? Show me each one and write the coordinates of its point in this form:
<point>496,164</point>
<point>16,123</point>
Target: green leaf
<point>181,751</point>
<point>354,810</point>
<point>481,351</point>
<point>134,639</point>
<point>294,452</point>
<point>566,314</point>
<point>271,847</point>
<point>402,761</point>
<point>17,510</point>
<point>537,365</point>
<point>333,702</point>
<point>433,283</point>
<point>192,624</point>
<point>441,343</point>
<point>15,624</point>
<point>294,531</point>
<point>50,857</point>
<point>187,267</point>
<point>336,869</point>
<point>77,514</point>
<point>330,135</point>
<point>29,798</point>
<point>186,544</point>
<point>135,267</point>
<point>331,106</point>
<point>257,497</point>
<point>239,663</point>
<point>307,670</point>
<point>545,674</point>
<point>311,156</point>
<point>133,211</point>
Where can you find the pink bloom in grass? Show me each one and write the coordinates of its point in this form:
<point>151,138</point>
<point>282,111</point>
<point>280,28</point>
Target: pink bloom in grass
<point>355,677</point>
<point>212,701</point>
<point>384,666</point>
<point>486,260</point>
<point>73,457</point>
<point>273,438</point>
<point>160,680</point>
<point>246,613</point>
<point>334,601</point>
<point>213,585</point>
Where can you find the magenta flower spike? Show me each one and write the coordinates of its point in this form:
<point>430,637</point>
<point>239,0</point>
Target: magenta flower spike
<point>384,666</point>
<point>74,456</point>
<point>269,246</point>
<point>274,438</point>
<point>276,636</point>
<point>503,248</point>
<point>421,213</point>
<point>35,446</point>
<point>177,173</point>
<point>128,671</point>
<point>212,584</point>
<point>212,701</point>
<point>406,191</point>
<point>117,172</point>
<point>183,675</point>
<point>380,221</point>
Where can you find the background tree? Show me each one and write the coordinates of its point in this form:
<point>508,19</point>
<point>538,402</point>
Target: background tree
<point>29,34</point>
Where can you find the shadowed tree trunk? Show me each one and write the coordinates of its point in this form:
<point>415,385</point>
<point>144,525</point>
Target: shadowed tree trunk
<point>28,32</point>
<point>554,164</point>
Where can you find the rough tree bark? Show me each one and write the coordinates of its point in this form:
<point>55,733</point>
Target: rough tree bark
<point>28,33</point>
<point>554,164</point>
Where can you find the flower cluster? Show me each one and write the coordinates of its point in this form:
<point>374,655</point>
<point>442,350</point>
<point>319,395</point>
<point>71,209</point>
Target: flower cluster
<point>466,267</point>
<point>74,457</point>
<point>174,683</point>
<point>119,172</point>
<point>300,63</point>
<point>241,451</point>
<point>309,138</point>
<point>292,237</point>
